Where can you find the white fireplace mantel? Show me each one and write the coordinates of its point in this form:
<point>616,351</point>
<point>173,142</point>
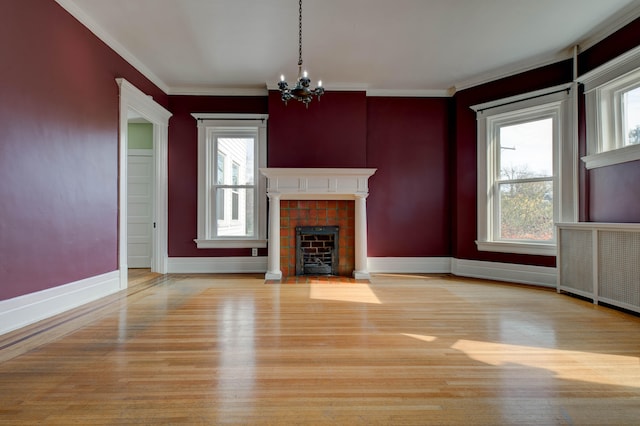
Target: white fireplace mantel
<point>317,184</point>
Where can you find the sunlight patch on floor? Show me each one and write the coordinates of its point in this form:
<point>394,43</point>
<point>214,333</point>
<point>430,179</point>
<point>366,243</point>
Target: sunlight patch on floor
<point>420,337</point>
<point>359,293</point>
<point>576,365</point>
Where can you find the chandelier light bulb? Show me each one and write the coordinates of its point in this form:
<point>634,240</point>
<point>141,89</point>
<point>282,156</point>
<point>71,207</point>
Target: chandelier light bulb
<point>319,83</point>
<point>281,77</point>
<point>304,74</point>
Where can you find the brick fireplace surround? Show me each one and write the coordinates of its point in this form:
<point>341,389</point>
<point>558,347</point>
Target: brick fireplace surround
<point>333,197</point>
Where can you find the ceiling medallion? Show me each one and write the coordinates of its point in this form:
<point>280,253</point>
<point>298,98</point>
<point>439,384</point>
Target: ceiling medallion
<point>301,91</point>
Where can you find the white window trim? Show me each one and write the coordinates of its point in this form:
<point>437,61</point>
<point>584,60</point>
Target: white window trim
<point>206,162</point>
<point>603,85</point>
<point>565,165</point>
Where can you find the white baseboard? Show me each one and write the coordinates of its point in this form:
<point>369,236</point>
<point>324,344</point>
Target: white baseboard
<point>222,265</point>
<point>410,265</point>
<point>511,272</point>
<point>30,308</point>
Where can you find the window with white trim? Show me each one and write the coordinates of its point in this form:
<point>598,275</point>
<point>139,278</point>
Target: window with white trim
<point>612,99</point>
<point>231,191</point>
<point>526,172</point>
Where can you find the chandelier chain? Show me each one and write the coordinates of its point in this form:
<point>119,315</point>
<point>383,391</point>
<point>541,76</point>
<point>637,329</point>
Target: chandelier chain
<point>300,33</point>
<point>300,91</point>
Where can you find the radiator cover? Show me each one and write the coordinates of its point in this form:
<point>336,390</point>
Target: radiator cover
<point>600,261</point>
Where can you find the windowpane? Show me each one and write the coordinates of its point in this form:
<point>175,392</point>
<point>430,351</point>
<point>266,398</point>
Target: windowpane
<point>526,149</point>
<point>239,220</point>
<point>241,151</point>
<point>220,169</point>
<point>631,100</point>
<point>526,211</point>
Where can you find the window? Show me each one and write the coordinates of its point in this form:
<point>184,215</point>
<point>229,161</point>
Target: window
<point>612,98</point>
<point>526,172</point>
<point>231,192</point>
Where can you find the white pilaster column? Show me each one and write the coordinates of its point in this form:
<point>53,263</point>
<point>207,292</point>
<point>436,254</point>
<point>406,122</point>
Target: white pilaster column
<point>273,271</point>
<point>361,272</point>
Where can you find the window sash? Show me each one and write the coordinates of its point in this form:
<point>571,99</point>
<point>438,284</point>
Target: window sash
<point>210,127</point>
<point>557,103</point>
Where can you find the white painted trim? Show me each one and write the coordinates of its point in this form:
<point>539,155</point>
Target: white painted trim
<point>216,91</point>
<point>604,226</point>
<point>551,102</point>
<point>33,307</point>
<point>228,116</point>
<point>447,93</point>
<point>206,123</point>
<point>141,152</point>
<point>131,98</point>
<point>621,19</point>
<point>230,243</point>
<point>517,247</point>
<point>509,272</point>
<point>75,11</point>
<point>335,87</point>
<point>222,265</point>
<point>410,265</point>
<point>615,156</point>
<point>513,69</point>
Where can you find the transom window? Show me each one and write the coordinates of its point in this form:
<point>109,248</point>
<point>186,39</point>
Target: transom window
<point>231,193</point>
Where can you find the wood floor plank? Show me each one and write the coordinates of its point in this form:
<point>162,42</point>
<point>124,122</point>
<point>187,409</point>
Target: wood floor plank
<point>211,349</point>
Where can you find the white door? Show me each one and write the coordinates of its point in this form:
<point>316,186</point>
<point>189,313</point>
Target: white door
<point>140,208</point>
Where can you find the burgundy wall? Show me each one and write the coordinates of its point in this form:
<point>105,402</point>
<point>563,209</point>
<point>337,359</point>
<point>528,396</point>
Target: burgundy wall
<point>58,148</point>
<point>408,207</point>
<point>59,145</point>
<point>465,183</point>
<point>345,129</point>
<point>183,168</point>
<point>330,133</point>
<point>611,193</point>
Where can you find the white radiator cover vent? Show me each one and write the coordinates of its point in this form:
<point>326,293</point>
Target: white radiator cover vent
<point>600,261</point>
<point>619,267</point>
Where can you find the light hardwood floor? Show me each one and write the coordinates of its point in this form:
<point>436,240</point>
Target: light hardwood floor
<point>428,350</point>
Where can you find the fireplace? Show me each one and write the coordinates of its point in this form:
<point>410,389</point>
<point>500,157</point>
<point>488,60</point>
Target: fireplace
<point>321,186</point>
<point>317,250</point>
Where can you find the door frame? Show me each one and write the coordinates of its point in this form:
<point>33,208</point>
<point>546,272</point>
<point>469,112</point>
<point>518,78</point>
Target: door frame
<point>131,98</point>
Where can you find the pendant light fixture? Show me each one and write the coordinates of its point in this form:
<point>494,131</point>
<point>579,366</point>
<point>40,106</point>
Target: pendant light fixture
<point>301,91</point>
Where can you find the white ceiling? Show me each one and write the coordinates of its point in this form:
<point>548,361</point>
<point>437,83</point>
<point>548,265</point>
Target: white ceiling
<point>429,47</point>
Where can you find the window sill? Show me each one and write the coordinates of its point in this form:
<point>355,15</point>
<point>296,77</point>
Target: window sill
<point>518,248</point>
<point>205,244</point>
<point>609,158</point>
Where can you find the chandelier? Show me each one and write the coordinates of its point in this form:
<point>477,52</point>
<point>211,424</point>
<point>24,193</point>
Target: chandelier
<point>301,91</point>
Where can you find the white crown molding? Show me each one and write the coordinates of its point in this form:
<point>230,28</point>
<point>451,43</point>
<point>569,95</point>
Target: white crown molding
<point>617,22</point>
<point>409,93</point>
<point>513,69</point>
<point>217,91</point>
<point>75,11</point>
<point>335,87</point>
<point>623,18</point>
<point>33,307</point>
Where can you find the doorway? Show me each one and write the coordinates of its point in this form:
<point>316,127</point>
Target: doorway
<point>135,103</point>
<point>140,206</point>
